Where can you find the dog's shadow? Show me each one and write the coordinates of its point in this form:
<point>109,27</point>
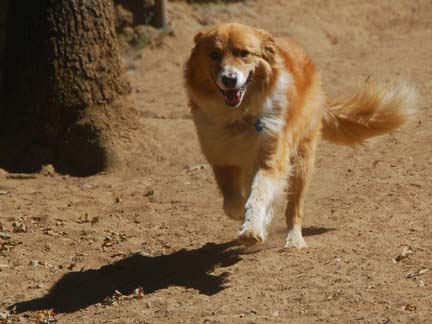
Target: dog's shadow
<point>314,230</point>
<point>184,268</point>
<point>280,229</point>
<point>190,269</point>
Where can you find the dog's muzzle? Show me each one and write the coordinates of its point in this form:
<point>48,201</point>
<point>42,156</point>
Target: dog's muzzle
<point>231,91</point>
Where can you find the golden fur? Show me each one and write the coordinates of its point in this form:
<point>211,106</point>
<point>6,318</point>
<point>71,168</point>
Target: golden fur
<point>284,94</point>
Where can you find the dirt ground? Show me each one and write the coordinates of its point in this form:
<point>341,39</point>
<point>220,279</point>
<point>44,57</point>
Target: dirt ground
<point>156,233</point>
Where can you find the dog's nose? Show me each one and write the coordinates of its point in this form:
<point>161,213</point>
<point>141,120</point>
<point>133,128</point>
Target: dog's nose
<point>229,81</point>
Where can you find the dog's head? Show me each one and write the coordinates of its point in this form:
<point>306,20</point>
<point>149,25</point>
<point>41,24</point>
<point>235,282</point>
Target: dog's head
<point>230,62</point>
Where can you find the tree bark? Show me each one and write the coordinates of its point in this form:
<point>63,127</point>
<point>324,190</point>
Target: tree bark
<point>66,92</point>
<point>161,19</point>
<point>3,13</point>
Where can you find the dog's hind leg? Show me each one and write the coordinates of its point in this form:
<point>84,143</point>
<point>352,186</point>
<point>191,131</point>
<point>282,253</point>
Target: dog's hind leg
<point>231,180</point>
<point>303,163</point>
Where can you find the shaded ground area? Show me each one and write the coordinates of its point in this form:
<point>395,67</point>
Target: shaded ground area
<point>69,243</point>
<point>188,269</point>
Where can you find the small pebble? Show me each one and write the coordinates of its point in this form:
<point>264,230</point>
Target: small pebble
<point>5,236</point>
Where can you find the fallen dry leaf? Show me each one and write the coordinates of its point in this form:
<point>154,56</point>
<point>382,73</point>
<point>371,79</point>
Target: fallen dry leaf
<point>5,236</point>
<point>19,227</point>
<point>138,293</point>
<point>113,238</point>
<point>50,232</point>
<point>416,273</point>
<point>4,316</point>
<point>48,170</point>
<point>5,247</point>
<point>406,251</point>
<point>196,167</point>
<point>45,317</point>
<point>118,254</point>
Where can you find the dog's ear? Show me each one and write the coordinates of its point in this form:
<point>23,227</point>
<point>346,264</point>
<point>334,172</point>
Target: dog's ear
<point>206,32</point>
<point>268,45</point>
<point>198,37</point>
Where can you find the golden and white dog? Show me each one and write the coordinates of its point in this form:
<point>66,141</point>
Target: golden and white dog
<point>259,107</point>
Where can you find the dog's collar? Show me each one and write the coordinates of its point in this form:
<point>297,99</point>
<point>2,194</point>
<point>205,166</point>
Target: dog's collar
<point>255,123</point>
<point>259,125</point>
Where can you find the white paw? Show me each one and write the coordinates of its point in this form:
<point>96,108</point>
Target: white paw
<point>295,238</point>
<point>250,235</point>
<point>253,229</point>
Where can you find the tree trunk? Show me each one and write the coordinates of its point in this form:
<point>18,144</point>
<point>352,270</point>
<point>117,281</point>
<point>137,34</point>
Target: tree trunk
<point>3,12</point>
<point>65,89</point>
<point>161,19</point>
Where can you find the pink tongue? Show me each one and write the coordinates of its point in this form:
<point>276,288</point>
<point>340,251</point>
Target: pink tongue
<point>232,97</point>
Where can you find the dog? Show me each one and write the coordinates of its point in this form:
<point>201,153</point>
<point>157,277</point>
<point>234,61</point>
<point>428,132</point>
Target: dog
<point>259,107</point>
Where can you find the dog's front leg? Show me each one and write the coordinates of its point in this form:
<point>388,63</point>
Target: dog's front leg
<point>231,183</point>
<point>259,207</point>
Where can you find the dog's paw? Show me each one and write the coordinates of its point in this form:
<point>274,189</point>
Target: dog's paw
<point>295,238</point>
<point>234,207</point>
<point>250,236</point>
<point>253,229</point>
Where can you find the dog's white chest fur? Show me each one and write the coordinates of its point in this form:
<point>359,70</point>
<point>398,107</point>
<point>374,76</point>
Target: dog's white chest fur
<point>235,134</point>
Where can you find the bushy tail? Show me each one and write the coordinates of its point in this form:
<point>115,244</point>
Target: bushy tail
<point>373,111</point>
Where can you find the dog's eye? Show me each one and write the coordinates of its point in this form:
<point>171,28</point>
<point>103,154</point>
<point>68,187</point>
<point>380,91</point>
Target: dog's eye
<point>215,55</point>
<point>244,53</point>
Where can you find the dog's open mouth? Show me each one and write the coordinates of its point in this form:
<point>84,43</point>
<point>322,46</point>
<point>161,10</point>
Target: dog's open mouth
<point>234,97</point>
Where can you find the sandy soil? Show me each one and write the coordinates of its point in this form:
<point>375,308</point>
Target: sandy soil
<point>155,232</point>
